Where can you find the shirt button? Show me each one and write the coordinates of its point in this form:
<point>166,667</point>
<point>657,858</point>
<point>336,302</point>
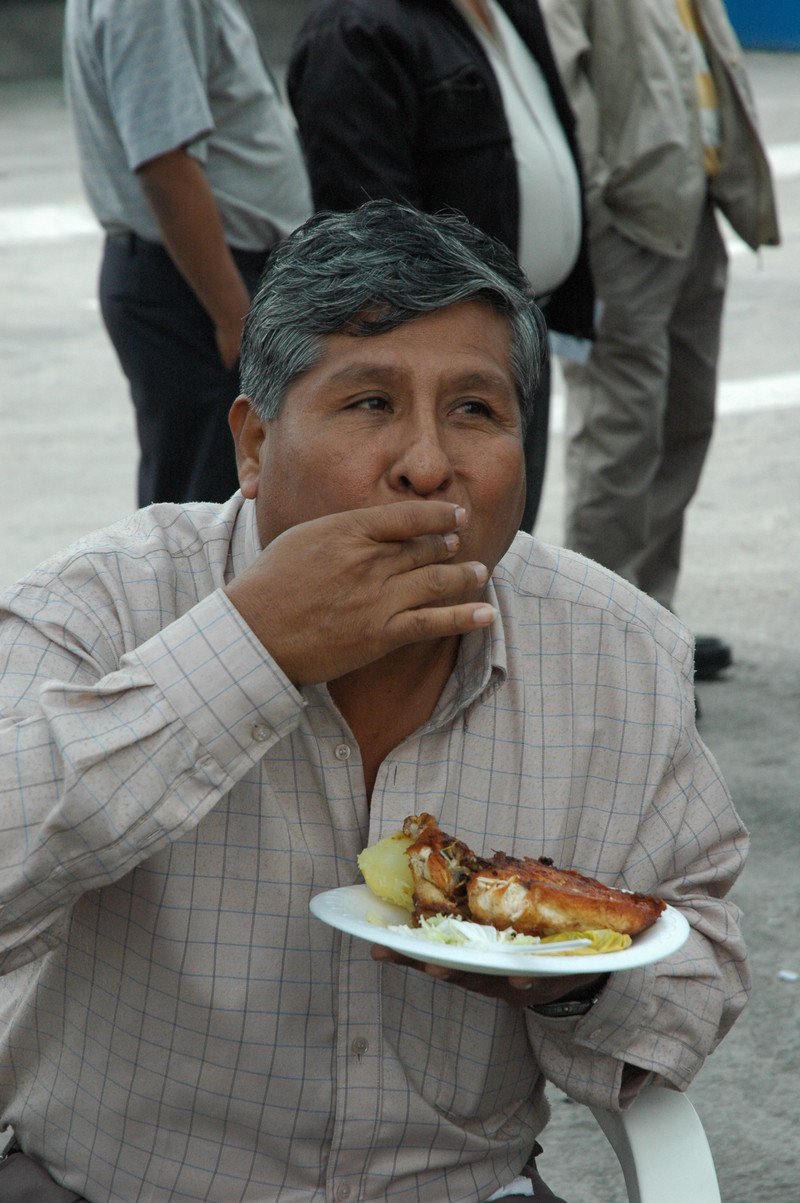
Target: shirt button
<point>342,752</point>
<point>359,1046</point>
<point>260,733</point>
<point>343,1191</point>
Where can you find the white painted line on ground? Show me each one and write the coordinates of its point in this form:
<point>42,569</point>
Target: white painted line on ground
<point>734,245</point>
<point>46,223</point>
<point>51,223</point>
<point>733,397</point>
<point>760,392</point>
<point>784,159</point>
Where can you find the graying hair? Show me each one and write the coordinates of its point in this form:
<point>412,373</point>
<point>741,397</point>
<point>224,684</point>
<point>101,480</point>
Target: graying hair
<point>368,271</point>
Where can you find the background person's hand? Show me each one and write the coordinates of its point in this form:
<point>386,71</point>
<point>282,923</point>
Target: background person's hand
<point>228,336</point>
<point>177,189</point>
<point>331,595</point>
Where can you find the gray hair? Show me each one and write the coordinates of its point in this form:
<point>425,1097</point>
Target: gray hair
<point>368,271</point>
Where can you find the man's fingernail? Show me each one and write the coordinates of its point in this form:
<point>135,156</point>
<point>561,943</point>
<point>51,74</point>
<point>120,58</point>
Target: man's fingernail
<point>481,573</point>
<point>460,515</point>
<point>483,615</point>
<point>452,542</point>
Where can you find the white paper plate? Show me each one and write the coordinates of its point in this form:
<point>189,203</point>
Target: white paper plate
<point>356,911</point>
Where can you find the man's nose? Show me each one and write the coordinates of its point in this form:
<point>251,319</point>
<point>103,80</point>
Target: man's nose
<point>421,463</point>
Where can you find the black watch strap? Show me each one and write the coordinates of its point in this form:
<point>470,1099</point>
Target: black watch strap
<point>564,1010</point>
<point>568,1008</point>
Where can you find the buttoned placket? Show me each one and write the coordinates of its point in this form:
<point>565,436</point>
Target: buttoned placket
<point>362,1074</point>
<point>361,1071</point>
<point>357,1087</point>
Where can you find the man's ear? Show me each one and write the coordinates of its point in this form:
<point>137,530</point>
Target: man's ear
<point>248,435</point>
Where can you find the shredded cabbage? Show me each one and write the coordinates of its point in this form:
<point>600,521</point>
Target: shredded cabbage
<point>458,932</point>
<point>452,929</point>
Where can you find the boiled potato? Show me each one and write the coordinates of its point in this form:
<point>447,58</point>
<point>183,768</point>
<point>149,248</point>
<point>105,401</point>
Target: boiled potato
<point>387,872</point>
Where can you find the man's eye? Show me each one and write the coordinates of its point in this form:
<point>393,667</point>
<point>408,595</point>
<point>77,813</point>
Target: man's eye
<point>478,408</point>
<point>374,404</point>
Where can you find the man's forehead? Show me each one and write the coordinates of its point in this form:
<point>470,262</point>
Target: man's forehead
<point>473,325</point>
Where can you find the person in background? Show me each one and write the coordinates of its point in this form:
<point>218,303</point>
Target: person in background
<point>208,711</point>
<point>453,104</point>
<point>668,134</point>
<point>192,166</point>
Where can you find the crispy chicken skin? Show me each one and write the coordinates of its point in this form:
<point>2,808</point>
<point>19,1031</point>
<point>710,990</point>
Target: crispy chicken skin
<point>532,896</point>
<point>441,866</point>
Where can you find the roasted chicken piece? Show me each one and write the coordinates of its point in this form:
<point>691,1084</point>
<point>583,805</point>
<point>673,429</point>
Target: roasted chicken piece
<point>535,898</point>
<point>441,866</point>
<point>530,896</point>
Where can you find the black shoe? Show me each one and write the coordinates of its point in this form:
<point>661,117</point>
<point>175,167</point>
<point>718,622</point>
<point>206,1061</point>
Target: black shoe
<point>711,656</point>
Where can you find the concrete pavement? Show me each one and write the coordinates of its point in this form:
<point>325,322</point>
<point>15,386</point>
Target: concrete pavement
<point>67,464</point>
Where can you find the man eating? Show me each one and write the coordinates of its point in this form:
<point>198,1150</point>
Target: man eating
<point>209,710</point>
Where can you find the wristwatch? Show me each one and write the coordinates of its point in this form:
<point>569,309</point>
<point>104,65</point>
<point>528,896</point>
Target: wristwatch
<point>568,1008</point>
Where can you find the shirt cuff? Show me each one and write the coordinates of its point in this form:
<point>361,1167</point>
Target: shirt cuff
<point>585,1055</point>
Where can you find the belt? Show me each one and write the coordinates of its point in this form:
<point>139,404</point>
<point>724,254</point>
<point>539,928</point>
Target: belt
<point>135,245</point>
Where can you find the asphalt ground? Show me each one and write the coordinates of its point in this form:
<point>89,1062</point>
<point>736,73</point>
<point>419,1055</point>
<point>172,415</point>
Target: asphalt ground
<point>67,466</point>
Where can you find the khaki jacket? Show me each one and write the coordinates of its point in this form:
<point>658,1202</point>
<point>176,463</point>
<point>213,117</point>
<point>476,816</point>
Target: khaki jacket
<point>628,71</point>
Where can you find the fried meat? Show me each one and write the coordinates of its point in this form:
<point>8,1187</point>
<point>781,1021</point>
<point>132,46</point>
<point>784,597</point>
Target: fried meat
<point>534,897</point>
<point>530,896</point>
<point>441,866</point>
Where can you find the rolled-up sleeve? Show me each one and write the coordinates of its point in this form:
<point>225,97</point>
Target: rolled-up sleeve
<point>665,1018</point>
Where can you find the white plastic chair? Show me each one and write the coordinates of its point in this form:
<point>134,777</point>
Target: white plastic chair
<point>662,1148</point>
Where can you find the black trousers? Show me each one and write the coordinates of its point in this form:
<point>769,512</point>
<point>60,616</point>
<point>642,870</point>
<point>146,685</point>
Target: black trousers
<point>181,391</point>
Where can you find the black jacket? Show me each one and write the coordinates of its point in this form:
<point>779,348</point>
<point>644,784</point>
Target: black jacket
<point>396,98</point>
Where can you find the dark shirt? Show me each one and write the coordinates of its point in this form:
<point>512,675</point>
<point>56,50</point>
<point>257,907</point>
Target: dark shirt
<point>396,98</point>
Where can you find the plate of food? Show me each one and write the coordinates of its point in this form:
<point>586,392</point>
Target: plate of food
<point>427,896</point>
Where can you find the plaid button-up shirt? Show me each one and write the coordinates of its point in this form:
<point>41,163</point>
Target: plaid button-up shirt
<point>176,1026</point>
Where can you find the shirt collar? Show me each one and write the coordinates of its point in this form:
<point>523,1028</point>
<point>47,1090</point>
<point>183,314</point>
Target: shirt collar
<point>245,545</point>
<point>481,667</point>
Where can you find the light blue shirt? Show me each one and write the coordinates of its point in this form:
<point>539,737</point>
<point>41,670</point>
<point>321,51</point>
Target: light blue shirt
<point>144,77</point>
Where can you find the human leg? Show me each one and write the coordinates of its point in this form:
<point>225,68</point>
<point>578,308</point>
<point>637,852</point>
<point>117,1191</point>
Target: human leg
<point>694,344</point>
<point>616,404</point>
<point>180,389</point>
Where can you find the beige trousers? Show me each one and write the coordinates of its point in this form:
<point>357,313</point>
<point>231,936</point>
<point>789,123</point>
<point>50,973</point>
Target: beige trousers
<point>641,411</point>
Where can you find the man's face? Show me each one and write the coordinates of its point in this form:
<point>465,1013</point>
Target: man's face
<point>429,410</point>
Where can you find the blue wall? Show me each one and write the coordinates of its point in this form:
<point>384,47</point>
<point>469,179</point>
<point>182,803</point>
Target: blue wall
<point>766,24</point>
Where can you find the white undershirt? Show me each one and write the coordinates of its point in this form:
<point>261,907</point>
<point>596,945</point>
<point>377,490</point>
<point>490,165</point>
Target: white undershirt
<point>549,189</point>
